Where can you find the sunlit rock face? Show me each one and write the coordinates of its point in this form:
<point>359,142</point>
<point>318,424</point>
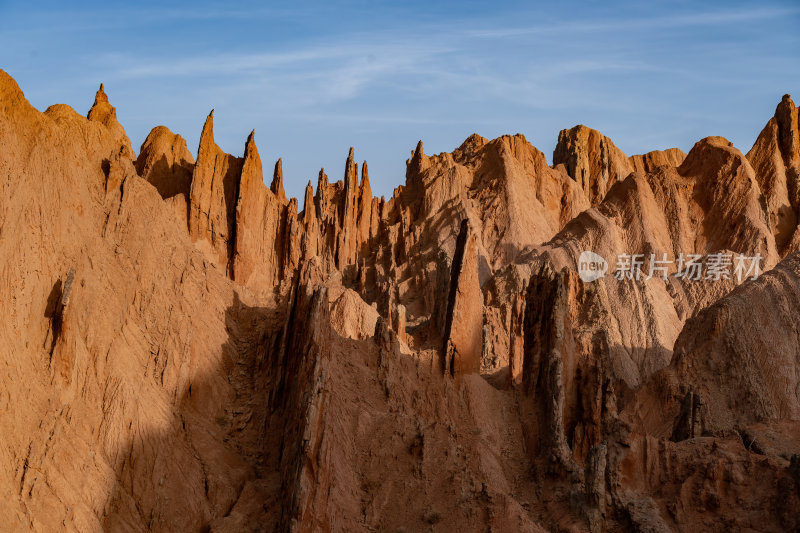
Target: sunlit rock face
<point>187,349</point>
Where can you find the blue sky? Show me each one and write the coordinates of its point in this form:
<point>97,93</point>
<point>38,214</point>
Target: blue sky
<point>314,79</point>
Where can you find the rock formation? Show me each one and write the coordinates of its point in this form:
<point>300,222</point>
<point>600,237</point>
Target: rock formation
<point>776,159</point>
<point>213,195</point>
<point>187,349</point>
<point>104,113</point>
<point>463,341</point>
<point>649,162</point>
<point>165,161</point>
<point>592,160</point>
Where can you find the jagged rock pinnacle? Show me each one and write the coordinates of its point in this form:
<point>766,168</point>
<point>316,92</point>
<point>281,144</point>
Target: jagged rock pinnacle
<point>102,111</point>
<point>277,182</point>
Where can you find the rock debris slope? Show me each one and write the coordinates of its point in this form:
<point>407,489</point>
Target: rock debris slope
<point>187,349</point>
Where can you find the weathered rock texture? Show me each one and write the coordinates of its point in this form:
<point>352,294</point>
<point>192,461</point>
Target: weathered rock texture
<point>186,349</point>
<point>104,113</point>
<point>776,159</point>
<point>165,161</point>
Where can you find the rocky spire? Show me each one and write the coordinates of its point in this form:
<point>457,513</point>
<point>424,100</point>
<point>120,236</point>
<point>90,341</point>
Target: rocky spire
<point>463,334</point>
<point>201,186</point>
<point>350,171</point>
<point>214,193</point>
<point>418,153</point>
<point>417,157</point>
<point>291,240</point>
<point>364,208</point>
<point>308,202</point>
<point>414,168</point>
<point>775,158</point>
<point>310,224</point>
<point>365,179</point>
<point>350,186</point>
<point>322,191</point>
<point>347,237</point>
<point>251,167</point>
<point>100,97</point>
<point>277,182</point>
<point>787,117</point>
<point>206,136</point>
<point>249,212</point>
<point>106,114</point>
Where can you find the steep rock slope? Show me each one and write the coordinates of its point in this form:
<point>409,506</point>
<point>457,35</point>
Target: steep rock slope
<point>775,156</point>
<point>739,355</point>
<point>710,204</point>
<point>721,421</point>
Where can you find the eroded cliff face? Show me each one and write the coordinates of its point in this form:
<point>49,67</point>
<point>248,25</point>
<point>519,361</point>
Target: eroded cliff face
<point>187,349</point>
<point>776,159</point>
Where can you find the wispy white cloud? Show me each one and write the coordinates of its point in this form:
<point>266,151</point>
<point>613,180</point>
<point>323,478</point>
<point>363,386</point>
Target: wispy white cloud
<point>303,75</point>
<point>422,64</point>
<point>709,18</point>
